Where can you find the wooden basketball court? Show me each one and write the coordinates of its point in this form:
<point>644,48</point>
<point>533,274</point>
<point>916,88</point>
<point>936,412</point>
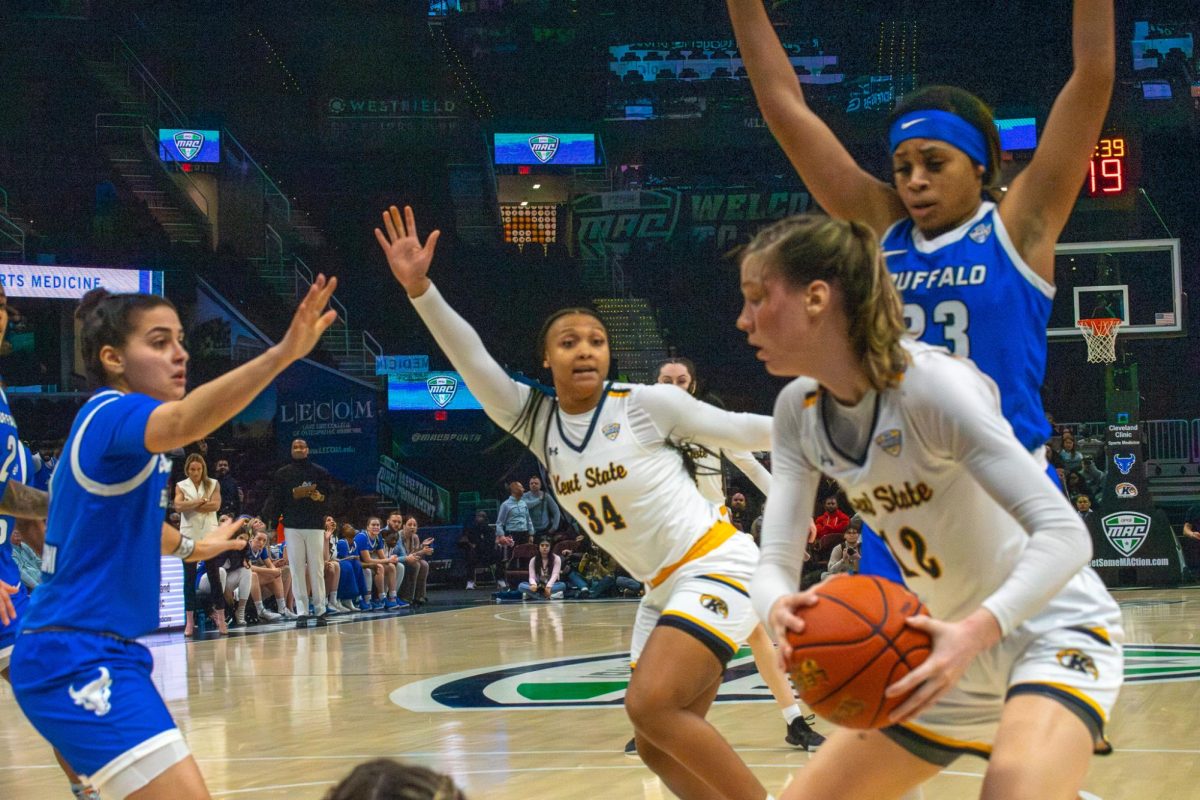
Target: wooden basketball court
<point>524,700</point>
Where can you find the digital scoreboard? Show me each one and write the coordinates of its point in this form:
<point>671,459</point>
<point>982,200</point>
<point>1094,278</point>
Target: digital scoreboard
<point>1109,173</point>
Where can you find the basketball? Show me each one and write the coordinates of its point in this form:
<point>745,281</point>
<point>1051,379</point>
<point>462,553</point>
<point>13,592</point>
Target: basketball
<point>854,645</point>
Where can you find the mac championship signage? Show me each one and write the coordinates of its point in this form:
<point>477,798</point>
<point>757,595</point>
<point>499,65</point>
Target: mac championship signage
<point>1132,543</point>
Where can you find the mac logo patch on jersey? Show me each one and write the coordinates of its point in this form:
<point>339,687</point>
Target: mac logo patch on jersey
<point>442,389</point>
<point>612,430</point>
<point>543,147</point>
<point>980,232</point>
<point>891,441</point>
<point>1126,531</point>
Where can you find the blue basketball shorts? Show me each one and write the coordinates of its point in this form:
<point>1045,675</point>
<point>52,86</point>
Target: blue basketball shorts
<point>91,696</point>
<point>9,632</point>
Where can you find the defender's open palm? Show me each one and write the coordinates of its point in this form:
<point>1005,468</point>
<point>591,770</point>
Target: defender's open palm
<point>310,320</point>
<point>406,256</point>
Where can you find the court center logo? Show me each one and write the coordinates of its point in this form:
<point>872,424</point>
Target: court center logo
<point>189,143</point>
<point>442,389</point>
<point>1126,531</point>
<point>599,681</point>
<point>544,147</point>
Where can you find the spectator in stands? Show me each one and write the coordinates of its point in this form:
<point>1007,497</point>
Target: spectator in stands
<point>1191,540</point>
<point>1069,458</point>
<point>1062,481</point>
<point>197,499</point>
<point>1076,485</point>
<point>231,493</point>
<point>600,571</point>
<point>544,569</point>
<point>1083,504</point>
<point>479,545</point>
<point>372,552</point>
<point>270,577</point>
<point>333,568</point>
<point>394,539</point>
<point>543,511</point>
<point>1093,477</point>
<point>740,512</point>
<point>29,561</point>
<point>298,492</point>
<point>383,779</point>
<point>846,555</point>
<point>416,572</point>
<point>513,517</point>
<point>833,521</point>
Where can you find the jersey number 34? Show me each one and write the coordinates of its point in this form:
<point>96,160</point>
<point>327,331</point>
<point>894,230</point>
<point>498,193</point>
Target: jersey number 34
<point>608,515</point>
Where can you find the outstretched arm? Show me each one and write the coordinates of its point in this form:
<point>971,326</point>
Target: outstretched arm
<point>210,406</point>
<point>501,397</point>
<point>1040,199</point>
<point>752,469</point>
<point>219,541</point>
<point>679,416</point>
<point>23,502</point>
<point>828,170</point>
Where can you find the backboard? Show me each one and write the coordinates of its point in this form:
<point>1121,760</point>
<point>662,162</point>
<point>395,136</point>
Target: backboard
<point>1136,281</point>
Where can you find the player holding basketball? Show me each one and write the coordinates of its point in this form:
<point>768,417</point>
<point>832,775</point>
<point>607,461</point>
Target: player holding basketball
<point>77,672</point>
<point>1026,660</point>
<point>612,456</point>
<point>710,471</point>
<point>975,265</point>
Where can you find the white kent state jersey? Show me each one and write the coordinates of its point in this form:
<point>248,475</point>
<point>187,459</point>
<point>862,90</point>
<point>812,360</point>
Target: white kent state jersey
<point>945,483</point>
<point>614,468</point>
<point>612,473</point>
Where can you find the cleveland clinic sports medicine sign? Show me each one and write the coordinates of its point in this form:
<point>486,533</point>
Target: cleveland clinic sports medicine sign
<point>72,283</point>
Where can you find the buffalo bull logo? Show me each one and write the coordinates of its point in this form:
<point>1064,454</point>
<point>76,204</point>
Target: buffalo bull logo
<point>715,604</point>
<point>189,143</point>
<point>1078,661</point>
<point>94,695</point>
<point>1126,531</point>
<point>543,147</point>
<point>442,389</point>
<point>1124,463</point>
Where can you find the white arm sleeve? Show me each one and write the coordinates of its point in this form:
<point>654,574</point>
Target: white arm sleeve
<point>789,509</point>
<point>962,417</point>
<point>501,397</point>
<point>751,468</point>
<point>679,416</point>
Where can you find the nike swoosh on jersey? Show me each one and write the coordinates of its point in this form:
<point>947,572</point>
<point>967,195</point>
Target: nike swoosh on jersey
<point>906,125</point>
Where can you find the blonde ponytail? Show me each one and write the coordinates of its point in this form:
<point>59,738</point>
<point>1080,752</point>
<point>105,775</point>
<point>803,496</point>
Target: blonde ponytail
<point>809,247</point>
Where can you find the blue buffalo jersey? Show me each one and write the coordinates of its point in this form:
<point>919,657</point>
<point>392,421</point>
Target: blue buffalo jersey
<point>365,543</point>
<point>14,464</point>
<point>970,291</point>
<point>104,534</point>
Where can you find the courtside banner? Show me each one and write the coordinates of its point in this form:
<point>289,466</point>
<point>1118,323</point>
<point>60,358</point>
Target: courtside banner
<point>72,283</point>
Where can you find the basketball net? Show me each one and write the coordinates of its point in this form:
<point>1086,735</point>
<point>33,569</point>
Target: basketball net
<point>1101,337</point>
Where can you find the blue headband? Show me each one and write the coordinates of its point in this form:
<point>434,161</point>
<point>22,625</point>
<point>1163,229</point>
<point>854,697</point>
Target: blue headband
<point>928,123</point>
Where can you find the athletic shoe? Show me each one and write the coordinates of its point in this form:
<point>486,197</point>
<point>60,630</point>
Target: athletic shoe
<point>267,615</point>
<point>377,605</point>
<point>631,748</point>
<point>344,605</point>
<point>556,596</point>
<point>402,604</point>
<point>470,584</point>
<point>390,603</point>
<point>288,613</point>
<point>799,734</point>
<point>502,585</point>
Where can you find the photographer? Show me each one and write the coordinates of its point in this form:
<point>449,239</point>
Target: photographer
<point>845,556</point>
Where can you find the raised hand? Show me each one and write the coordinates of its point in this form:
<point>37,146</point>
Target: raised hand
<point>8,611</point>
<point>310,320</point>
<point>407,257</point>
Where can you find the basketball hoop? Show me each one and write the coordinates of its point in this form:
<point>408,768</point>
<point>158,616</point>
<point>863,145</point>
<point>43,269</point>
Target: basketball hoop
<point>1101,337</point>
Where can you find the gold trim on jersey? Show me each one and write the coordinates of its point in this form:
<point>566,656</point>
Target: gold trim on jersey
<point>713,538</point>
<point>701,624</point>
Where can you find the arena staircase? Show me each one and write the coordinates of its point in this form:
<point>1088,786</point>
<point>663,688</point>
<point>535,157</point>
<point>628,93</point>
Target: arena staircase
<point>141,105</point>
<point>13,234</point>
<point>634,338</point>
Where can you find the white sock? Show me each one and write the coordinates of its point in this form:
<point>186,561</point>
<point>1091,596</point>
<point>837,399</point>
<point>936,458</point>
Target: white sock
<point>258,605</point>
<point>392,594</point>
<point>792,712</point>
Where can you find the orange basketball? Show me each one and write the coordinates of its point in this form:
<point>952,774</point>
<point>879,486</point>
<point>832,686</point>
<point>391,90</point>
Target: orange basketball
<point>854,645</point>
